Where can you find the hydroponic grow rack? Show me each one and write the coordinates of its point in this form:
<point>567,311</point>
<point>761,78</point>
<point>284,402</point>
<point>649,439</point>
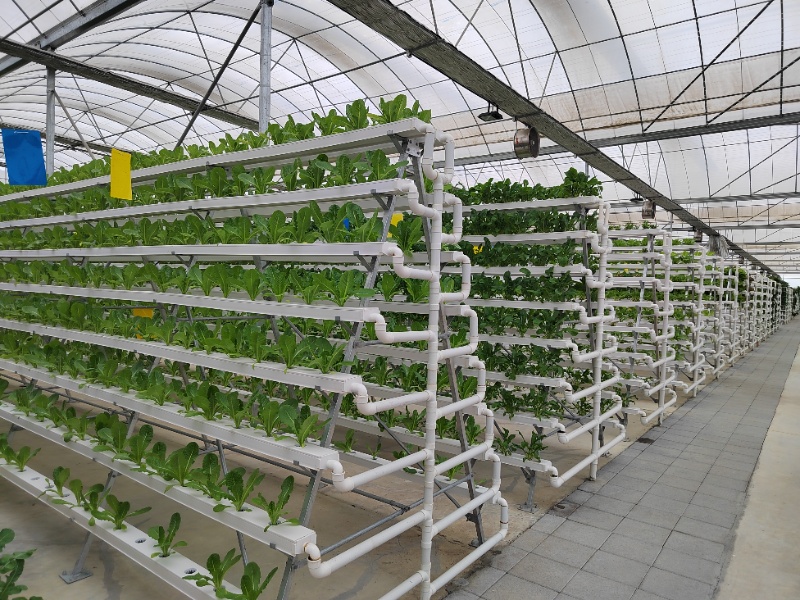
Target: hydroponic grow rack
<point>243,368</point>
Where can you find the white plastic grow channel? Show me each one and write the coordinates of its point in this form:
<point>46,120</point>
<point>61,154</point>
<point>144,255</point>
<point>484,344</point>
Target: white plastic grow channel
<point>170,570</point>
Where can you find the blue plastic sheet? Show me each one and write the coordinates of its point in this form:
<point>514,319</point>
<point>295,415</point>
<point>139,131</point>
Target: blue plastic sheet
<point>24,157</point>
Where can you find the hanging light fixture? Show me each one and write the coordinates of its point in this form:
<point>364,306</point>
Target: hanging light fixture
<point>491,114</point>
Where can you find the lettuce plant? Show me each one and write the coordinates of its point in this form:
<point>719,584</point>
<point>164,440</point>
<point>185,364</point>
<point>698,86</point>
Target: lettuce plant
<point>165,538</point>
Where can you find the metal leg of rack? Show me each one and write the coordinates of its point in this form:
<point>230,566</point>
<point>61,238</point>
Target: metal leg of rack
<point>78,571</point>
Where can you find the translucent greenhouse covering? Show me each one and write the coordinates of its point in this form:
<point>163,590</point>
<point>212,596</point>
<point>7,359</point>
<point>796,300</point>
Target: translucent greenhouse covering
<point>626,70</point>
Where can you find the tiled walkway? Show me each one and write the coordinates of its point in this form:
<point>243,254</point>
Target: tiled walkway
<point>660,520</point>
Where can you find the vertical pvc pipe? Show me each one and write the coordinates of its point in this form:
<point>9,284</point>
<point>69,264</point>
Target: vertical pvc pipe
<point>50,122</point>
<point>265,83</point>
<point>432,385</point>
<point>597,362</point>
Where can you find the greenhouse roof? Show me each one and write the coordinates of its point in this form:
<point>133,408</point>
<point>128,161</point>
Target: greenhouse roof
<point>698,99</point>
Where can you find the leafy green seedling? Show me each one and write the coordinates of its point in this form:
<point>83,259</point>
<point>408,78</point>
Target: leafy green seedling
<point>11,568</point>
<point>239,490</point>
<point>347,444</point>
<point>20,458</point>
<point>165,538</point>
<point>275,508</point>
<point>217,567</point>
<point>251,584</point>
<point>119,510</point>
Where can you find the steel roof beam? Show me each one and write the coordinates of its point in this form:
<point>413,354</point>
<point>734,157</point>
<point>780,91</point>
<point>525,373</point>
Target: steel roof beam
<point>425,45</point>
<point>650,136</point>
<point>69,65</point>
<point>69,29</point>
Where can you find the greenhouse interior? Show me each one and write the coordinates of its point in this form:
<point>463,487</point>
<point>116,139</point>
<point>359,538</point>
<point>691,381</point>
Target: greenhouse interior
<point>393,299</point>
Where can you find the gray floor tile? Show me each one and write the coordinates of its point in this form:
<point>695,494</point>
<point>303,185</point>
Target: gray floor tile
<point>695,546</point>
<point>548,523</point>
<point>588,586</point>
<point>462,595</point>
<point>716,503</point>
<point>680,482</point>
<point>707,531</point>
<point>689,566</point>
<point>529,540</point>
<point>545,572</point>
<point>674,587</point>
<point>642,595</point>
<point>483,579</point>
<point>582,534</point>
<point>720,492</point>
<point>654,501</point>
<point>625,494</point>
<point>634,470</point>
<point>609,505</point>
<point>654,516</point>
<point>632,549</point>
<point>564,551</point>
<point>508,557</point>
<point>510,587</point>
<point>643,532</point>
<point>595,518</point>
<point>738,485</point>
<point>623,570</point>
<point>632,483</point>
<point>579,497</point>
<point>662,490</point>
<point>710,515</point>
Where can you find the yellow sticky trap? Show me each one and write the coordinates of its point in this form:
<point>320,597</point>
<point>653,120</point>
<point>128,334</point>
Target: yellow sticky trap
<point>396,218</point>
<point>143,312</point>
<point>477,249</point>
<point>121,186</point>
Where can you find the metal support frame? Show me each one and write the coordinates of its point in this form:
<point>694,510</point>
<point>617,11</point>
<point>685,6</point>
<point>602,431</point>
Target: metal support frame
<point>399,27</point>
<point>265,83</point>
<point>50,122</point>
<point>74,126</point>
<point>201,106</point>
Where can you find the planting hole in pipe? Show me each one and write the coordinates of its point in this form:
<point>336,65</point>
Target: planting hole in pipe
<point>190,571</point>
<point>141,540</point>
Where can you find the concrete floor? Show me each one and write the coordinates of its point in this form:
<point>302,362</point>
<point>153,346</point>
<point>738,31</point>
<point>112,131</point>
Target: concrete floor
<point>666,517</point>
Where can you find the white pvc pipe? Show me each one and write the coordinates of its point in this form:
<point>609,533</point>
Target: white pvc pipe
<point>348,484</point>
<point>558,481</point>
<point>320,569</point>
<point>566,438</point>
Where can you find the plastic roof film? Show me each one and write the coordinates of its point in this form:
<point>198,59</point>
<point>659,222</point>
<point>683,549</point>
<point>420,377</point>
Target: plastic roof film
<point>604,69</point>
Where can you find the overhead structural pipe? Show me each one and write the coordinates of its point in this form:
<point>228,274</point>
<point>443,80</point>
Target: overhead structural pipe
<point>429,47</point>
<point>74,126</point>
<point>265,85</point>
<point>218,76</point>
<point>50,122</point>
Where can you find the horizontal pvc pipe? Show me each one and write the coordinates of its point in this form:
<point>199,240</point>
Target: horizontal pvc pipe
<point>348,484</point>
<point>458,459</point>
<point>474,338</point>
<point>463,510</point>
<point>477,398</point>
<point>320,569</point>
<point>476,554</point>
<point>405,587</point>
<point>557,482</point>
<point>594,388</point>
<point>566,438</point>
<point>646,419</point>
<point>365,407</point>
<point>466,280</point>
